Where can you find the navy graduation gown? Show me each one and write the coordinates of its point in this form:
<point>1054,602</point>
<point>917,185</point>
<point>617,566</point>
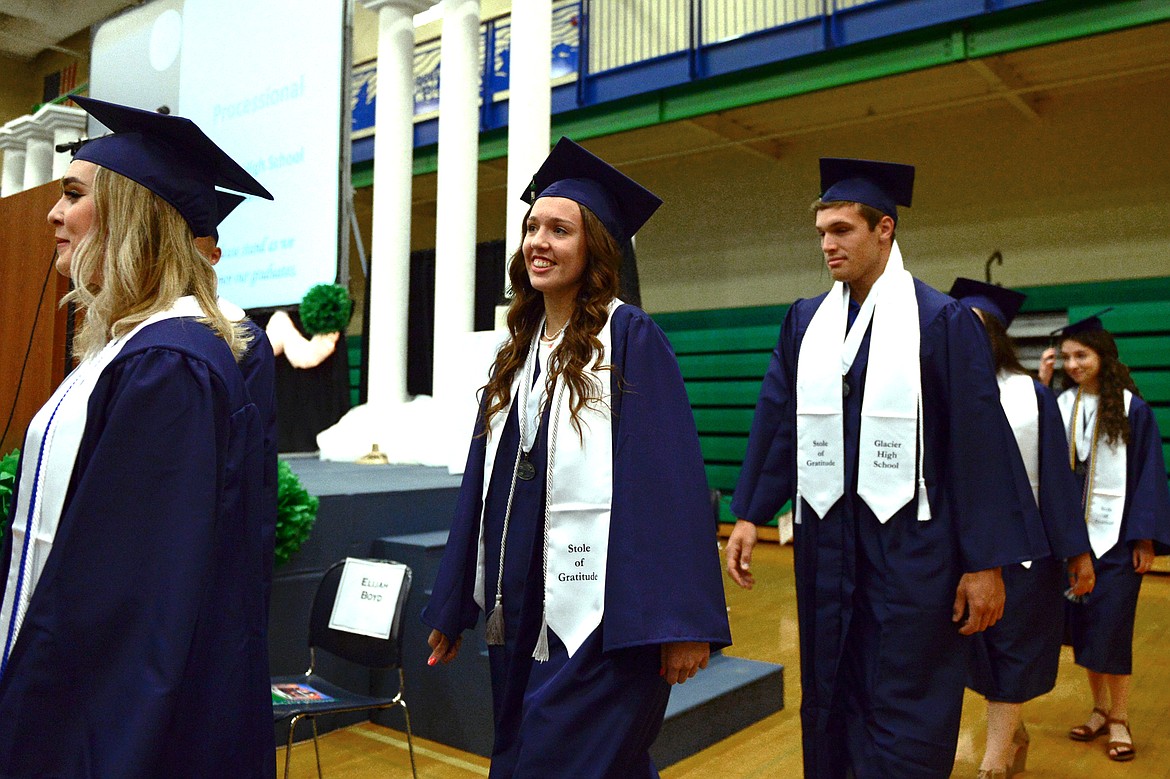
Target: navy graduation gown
<point>1101,626</point>
<point>595,714</point>
<point>144,649</point>
<point>882,665</point>
<point>258,367</point>
<point>1017,658</point>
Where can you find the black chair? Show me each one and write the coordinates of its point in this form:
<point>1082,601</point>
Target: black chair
<point>379,653</point>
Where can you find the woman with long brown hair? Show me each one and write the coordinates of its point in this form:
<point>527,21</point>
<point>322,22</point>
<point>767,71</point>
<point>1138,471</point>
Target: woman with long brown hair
<point>1017,658</point>
<point>1115,450</point>
<point>583,527</point>
<point>133,617</point>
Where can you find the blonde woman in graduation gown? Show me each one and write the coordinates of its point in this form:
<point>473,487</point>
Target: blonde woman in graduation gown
<point>133,618</point>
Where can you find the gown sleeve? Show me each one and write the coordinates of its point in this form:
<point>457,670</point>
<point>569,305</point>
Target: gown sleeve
<point>452,607</point>
<point>106,643</point>
<point>1060,504</point>
<point>663,577</point>
<point>995,518</point>
<point>1147,513</point>
<point>767,478</point>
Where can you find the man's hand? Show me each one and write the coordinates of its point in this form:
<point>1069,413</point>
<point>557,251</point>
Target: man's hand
<point>1143,555</point>
<point>443,650</point>
<point>739,553</point>
<point>1081,576</point>
<point>981,595</point>
<point>682,659</point>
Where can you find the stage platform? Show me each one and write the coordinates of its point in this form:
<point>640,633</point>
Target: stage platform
<point>403,513</point>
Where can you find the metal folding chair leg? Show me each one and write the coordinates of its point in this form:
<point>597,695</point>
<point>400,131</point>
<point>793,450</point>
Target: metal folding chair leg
<point>292,727</point>
<point>316,749</point>
<point>409,737</point>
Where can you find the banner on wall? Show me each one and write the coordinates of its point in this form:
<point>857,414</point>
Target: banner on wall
<point>264,80</point>
<point>495,35</point>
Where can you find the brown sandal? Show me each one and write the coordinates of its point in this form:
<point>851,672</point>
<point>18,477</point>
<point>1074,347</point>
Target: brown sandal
<point>1121,751</point>
<point>1086,733</point>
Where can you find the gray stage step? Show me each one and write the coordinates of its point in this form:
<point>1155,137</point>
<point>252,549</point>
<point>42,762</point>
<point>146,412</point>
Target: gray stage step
<point>452,704</point>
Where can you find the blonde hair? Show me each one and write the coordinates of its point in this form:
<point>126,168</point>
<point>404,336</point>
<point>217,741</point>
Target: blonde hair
<point>138,258</point>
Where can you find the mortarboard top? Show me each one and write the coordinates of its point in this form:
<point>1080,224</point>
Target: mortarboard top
<point>881,185</point>
<point>1089,324</point>
<point>622,204</point>
<point>170,156</point>
<point>1001,302</point>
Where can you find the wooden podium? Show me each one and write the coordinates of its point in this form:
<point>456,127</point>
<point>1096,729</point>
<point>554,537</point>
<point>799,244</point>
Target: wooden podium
<point>32,327</point>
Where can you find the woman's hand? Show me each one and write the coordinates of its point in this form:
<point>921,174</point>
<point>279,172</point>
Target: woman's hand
<point>1143,555</point>
<point>1081,576</point>
<point>682,659</point>
<point>1047,366</point>
<point>443,651</point>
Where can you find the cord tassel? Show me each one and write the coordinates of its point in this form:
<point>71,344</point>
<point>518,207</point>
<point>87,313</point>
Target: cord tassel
<point>923,498</point>
<point>540,653</point>
<point>495,625</point>
<point>923,502</point>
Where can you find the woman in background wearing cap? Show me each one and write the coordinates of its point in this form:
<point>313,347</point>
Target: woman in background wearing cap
<point>584,524</point>
<point>1115,450</point>
<point>133,621</point>
<point>1017,659</point>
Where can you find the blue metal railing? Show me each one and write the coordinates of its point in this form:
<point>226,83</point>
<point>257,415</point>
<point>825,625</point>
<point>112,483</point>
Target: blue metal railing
<point>605,50</point>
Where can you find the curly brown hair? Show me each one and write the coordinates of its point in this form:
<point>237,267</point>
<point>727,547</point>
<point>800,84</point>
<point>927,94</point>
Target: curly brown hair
<point>580,344</point>
<point>1112,380</point>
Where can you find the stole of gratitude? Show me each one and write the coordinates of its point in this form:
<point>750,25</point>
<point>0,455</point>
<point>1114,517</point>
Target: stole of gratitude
<point>578,577</point>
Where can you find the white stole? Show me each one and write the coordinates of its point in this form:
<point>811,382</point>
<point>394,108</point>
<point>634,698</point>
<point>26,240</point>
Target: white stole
<point>891,433</point>
<point>48,456</point>
<point>1017,395</point>
<point>1105,481</point>
<point>579,484</point>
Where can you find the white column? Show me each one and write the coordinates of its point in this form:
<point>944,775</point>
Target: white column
<point>393,170</point>
<point>67,124</point>
<point>457,183</point>
<point>12,180</point>
<point>529,96</point>
<point>38,157</point>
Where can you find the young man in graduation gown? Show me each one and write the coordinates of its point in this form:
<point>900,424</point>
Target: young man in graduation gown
<point>880,418</point>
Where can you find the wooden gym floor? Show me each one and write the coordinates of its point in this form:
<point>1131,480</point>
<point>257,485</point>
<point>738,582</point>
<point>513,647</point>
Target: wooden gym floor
<point>763,624</point>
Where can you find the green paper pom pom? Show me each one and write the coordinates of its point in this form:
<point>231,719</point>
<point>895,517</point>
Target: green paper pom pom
<point>326,309</point>
<point>295,513</point>
<point>7,482</point>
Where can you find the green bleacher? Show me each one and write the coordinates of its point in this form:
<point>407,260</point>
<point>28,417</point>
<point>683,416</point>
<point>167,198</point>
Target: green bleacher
<point>723,354</point>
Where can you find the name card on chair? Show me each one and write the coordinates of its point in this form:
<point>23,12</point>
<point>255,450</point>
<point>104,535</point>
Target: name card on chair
<point>367,596</point>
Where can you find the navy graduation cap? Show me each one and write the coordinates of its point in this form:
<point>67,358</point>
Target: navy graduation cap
<point>225,203</point>
<point>881,185</point>
<point>622,204</point>
<point>170,156</point>
<point>1000,302</point>
<point>1089,324</point>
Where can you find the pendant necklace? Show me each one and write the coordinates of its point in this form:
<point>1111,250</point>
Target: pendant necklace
<point>525,470</point>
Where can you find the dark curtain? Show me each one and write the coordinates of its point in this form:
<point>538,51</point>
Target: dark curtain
<point>308,400</point>
<point>420,339</point>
